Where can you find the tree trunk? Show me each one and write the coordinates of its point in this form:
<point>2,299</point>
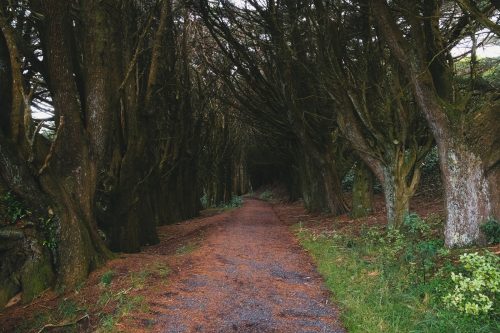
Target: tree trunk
<point>5,86</point>
<point>15,114</point>
<point>466,194</point>
<point>362,191</point>
<point>396,167</point>
<point>321,189</point>
<point>397,197</point>
<point>68,175</point>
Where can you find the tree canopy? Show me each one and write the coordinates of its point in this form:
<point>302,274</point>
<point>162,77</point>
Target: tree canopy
<point>117,116</point>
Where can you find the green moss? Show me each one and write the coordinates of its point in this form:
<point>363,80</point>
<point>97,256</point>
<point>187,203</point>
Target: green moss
<point>36,276</point>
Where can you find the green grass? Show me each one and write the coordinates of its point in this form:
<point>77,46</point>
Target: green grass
<point>186,248</point>
<point>138,279</point>
<point>107,278</point>
<point>378,294</point>
<point>235,202</point>
<point>113,304</point>
<point>126,304</point>
<point>162,270</point>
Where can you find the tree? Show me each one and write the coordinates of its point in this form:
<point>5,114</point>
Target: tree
<point>470,180</point>
<point>375,112</point>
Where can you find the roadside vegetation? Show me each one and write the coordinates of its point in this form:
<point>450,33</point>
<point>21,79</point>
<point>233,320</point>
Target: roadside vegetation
<point>235,202</point>
<point>406,280</point>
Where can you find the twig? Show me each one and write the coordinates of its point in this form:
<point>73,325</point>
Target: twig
<point>63,324</point>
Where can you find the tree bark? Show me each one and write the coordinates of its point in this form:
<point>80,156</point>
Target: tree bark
<point>15,114</point>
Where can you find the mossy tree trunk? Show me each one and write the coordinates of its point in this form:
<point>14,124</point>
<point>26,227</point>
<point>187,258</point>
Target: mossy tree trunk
<point>362,191</point>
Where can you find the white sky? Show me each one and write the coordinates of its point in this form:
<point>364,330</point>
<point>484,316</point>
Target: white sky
<point>489,50</point>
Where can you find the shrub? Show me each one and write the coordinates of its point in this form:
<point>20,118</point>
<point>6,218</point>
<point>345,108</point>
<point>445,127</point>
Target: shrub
<point>49,230</point>
<point>266,195</point>
<point>491,229</point>
<point>393,243</point>
<point>421,251</point>
<point>235,202</point>
<point>204,201</point>
<point>476,288</point>
<point>348,180</point>
<point>415,225</point>
<point>422,258</point>
<point>430,165</point>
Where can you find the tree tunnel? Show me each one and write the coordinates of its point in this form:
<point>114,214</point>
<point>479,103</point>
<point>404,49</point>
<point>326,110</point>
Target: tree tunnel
<point>149,106</point>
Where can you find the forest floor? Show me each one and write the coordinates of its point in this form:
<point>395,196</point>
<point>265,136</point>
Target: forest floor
<point>238,271</point>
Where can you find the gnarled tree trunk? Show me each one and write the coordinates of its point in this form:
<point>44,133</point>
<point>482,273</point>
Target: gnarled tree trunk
<point>68,175</point>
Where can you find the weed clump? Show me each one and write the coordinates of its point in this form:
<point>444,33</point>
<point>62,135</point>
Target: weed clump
<point>107,278</point>
<point>235,202</point>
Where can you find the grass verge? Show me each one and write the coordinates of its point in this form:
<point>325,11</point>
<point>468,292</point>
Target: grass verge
<point>392,282</point>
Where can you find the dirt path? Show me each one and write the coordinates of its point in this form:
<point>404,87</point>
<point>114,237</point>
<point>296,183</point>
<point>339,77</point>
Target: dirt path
<point>238,271</point>
<point>249,275</point>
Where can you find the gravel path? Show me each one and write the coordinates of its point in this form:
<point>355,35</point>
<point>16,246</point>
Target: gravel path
<point>248,275</point>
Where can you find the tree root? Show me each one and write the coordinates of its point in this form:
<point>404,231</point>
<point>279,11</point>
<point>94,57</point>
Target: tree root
<point>86,316</point>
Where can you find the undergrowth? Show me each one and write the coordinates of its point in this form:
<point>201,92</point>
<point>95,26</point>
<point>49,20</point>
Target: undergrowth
<point>235,202</point>
<point>267,195</point>
<point>13,210</point>
<point>186,248</point>
<point>119,299</point>
<point>66,315</point>
<point>401,280</point>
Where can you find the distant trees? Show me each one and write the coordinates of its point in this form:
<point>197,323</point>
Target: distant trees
<point>275,86</point>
